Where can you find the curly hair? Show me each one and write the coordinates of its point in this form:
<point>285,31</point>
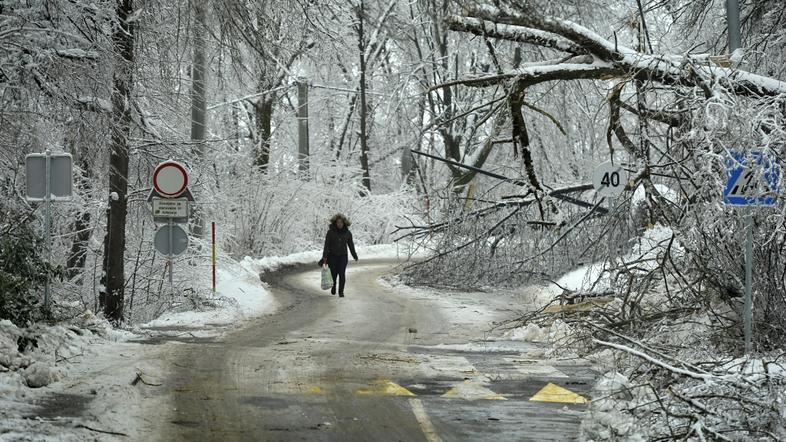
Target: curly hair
<point>340,216</point>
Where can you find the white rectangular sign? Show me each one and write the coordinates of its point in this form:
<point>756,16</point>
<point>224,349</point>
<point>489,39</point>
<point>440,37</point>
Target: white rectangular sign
<point>170,208</point>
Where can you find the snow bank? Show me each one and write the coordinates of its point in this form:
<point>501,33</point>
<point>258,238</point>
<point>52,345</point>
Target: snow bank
<point>38,355</point>
<point>589,278</point>
<point>58,381</point>
<point>612,395</point>
<point>241,296</point>
<point>529,333</point>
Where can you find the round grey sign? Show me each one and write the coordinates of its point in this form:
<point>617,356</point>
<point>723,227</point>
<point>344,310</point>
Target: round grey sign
<point>609,180</point>
<point>171,240</point>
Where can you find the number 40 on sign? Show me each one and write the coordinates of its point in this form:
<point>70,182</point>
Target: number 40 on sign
<point>609,179</point>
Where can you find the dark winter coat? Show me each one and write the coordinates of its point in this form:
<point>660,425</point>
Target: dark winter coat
<point>337,241</point>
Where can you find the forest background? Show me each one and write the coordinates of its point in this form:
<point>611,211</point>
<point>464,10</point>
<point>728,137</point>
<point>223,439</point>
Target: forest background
<point>537,92</point>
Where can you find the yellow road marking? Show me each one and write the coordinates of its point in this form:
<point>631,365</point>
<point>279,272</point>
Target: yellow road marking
<point>555,393</point>
<point>425,423</point>
<point>472,391</point>
<point>384,387</point>
<point>316,390</point>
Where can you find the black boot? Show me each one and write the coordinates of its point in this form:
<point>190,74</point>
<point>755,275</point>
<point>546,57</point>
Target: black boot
<point>333,290</point>
<point>340,295</point>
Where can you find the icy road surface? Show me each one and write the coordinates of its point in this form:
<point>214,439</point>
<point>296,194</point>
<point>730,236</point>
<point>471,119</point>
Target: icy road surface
<point>381,364</point>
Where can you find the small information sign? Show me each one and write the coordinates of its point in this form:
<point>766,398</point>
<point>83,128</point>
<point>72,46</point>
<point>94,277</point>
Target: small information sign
<point>170,208</point>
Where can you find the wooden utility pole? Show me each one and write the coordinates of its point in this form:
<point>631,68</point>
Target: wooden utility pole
<point>363,104</point>
<point>302,127</point>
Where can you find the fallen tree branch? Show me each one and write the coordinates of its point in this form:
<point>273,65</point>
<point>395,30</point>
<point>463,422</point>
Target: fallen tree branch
<point>113,433</point>
<point>612,60</point>
<point>478,238</point>
<point>564,234</point>
<point>515,33</point>
<point>701,376</point>
<point>140,378</point>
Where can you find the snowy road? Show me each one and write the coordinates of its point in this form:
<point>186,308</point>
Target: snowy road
<point>381,364</point>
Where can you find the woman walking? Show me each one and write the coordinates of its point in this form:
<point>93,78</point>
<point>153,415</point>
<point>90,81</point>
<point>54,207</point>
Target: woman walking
<point>337,240</point>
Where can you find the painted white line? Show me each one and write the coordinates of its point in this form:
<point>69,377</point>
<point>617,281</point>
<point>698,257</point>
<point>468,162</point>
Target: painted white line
<point>425,423</point>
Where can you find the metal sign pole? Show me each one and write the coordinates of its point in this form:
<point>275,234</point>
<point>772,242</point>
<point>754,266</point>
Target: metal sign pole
<point>213,254</point>
<point>733,23</point>
<point>748,309</point>
<point>169,257</point>
<point>47,226</point>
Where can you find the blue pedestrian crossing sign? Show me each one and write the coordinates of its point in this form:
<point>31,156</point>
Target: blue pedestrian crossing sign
<point>754,179</point>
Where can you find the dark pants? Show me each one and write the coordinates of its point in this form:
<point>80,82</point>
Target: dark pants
<point>338,268</point>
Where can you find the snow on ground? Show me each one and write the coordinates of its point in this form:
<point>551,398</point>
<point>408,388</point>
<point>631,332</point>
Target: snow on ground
<point>490,310</point>
<point>462,307</point>
<point>595,277</point>
<point>273,263</point>
<point>84,380</point>
<point>72,381</point>
<point>245,295</point>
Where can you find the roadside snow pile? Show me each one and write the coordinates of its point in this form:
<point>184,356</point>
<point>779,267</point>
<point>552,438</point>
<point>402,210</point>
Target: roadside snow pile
<point>559,336</point>
<point>592,278</point>
<point>612,395</point>
<point>559,332</point>
<point>241,295</point>
<point>529,333</point>
<point>75,381</point>
<point>39,355</point>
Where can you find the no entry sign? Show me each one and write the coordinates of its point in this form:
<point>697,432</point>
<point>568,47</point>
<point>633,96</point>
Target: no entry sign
<point>170,179</point>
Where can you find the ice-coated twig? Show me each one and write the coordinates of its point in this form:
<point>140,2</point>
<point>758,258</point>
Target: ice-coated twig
<point>733,379</point>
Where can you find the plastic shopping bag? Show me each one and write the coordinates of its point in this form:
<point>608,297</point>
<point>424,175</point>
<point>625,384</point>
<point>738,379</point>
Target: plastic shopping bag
<point>327,278</point>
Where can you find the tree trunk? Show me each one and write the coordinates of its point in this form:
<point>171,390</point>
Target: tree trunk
<point>263,110</point>
<point>75,263</point>
<point>363,103</point>
<point>352,101</point>
<point>199,102</point>
<point>113,280</point>
<point>78,254</point>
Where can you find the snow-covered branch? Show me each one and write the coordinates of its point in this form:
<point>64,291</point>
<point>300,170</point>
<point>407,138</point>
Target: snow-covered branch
<point>525,24</point>
<point>539,74</point>
<point>513,33</point>
<point>732,378</point>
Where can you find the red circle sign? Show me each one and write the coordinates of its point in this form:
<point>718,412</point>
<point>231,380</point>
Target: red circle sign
<point>170,179</point>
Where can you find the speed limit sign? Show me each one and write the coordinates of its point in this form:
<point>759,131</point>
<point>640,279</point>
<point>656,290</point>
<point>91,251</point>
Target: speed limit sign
<point>609,179</point>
